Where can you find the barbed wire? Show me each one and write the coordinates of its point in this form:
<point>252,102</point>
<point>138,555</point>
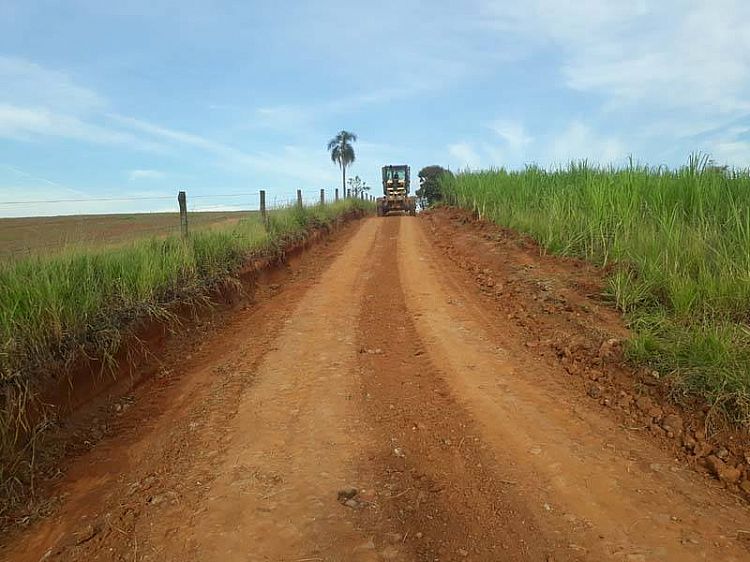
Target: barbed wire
<point>144,198</point>
<point>224,195</point>
<point>312,193</point>
<point>92,200</point>
<point>76,236</point>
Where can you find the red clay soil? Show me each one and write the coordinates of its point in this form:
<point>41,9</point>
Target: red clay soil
<point>423,389</point>
<point>73,398</point>
<point>558,306</point>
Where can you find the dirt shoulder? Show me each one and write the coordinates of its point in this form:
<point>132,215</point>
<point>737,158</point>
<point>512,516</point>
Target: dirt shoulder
<point>558,308</point>
<point>561,393</point>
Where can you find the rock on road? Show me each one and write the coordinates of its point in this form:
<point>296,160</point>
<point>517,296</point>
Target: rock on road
<point>374,408</point>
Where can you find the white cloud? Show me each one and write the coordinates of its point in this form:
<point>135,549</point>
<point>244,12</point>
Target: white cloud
<point>464,155</point>
<point>39,102</point>
<point>32,179</point>
<point>298,117</point>
<point>63,109</point>
<point>512,132</point>
<point>579,142</point>
<point>300,163</point>
<point>497,157</point>
<point>736,152</point>
<point>165,133</point>
<point>25,123</point>
<point>136,175</point>
<point>575,141</point>
<point>675,68</point>
<point>728,145</point>
<point>36,86</point>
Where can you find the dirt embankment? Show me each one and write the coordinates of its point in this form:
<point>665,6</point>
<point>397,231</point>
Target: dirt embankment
<point>72,404</point>
<point>394,398</point>
<point>559,307</point>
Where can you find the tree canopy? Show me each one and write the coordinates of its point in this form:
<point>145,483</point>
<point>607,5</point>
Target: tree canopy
<point>342,152</point>
<point>429,185</point>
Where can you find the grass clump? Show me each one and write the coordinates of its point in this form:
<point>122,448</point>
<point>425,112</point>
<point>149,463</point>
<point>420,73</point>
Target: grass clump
<point>679,241</point>
<point>78,303</point>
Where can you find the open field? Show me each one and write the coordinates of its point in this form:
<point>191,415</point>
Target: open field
<point>409,389</point>
<point>677,245</point>
<point>20,237</point>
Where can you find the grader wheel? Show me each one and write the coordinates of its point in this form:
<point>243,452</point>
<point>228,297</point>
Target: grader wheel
<point>380,207</point>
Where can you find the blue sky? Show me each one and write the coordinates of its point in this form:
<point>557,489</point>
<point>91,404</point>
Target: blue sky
<point>141,98</point>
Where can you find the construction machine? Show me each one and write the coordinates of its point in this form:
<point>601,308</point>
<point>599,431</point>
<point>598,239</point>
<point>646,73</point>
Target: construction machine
<point>396,191</point>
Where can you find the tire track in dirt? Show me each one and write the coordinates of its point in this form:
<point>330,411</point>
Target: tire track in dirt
<point>613,494</point>
<point>293,442</point>
<point>440,490</point>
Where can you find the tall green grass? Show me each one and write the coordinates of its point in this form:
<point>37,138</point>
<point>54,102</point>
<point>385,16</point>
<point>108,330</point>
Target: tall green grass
<point>679,241</point>
<point>56,308</point>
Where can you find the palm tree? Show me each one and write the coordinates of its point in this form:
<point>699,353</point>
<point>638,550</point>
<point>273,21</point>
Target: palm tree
<point>342,153</point>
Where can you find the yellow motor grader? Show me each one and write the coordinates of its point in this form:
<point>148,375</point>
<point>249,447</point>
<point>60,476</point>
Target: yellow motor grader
<point>396,192</point>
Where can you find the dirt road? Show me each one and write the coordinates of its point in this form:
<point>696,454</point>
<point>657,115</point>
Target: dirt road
<point>378,364</point>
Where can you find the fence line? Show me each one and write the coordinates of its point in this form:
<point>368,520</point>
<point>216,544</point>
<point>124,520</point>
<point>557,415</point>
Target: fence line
<point>30,235</point>
<point>313,193</point>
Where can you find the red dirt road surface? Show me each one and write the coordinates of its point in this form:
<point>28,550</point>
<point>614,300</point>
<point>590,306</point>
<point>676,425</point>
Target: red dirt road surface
<point>395,395</point>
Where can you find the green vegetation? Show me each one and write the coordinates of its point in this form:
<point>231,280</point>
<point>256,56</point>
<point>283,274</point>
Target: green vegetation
<point>679,241</point>
<point>429,191</point>
<point>342,153</point>
<point>358,186</point>
<point>56,308</point>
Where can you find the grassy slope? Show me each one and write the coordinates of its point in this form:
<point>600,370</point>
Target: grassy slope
<point>680,241</point>
<point>56,307</point>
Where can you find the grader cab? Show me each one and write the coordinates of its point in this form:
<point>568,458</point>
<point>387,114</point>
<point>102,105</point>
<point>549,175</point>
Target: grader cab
<point>396,192</point>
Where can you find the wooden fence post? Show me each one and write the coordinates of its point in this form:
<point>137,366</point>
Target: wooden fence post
<point>263,214</point>
<point>322,196</point>
<point>337,194</point>
<point>299,197</point>
<point>182,200</point>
